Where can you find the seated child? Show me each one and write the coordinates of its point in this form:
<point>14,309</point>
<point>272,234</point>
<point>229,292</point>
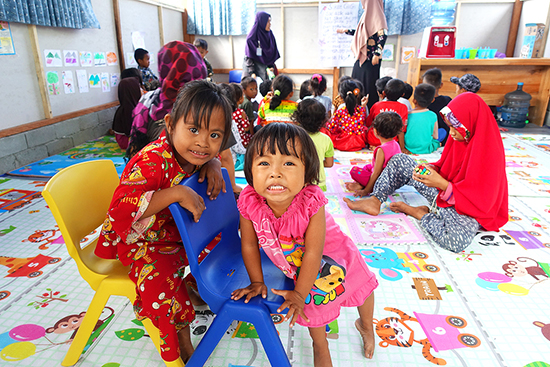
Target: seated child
<point>386,126</point>
<point>406,96</point>
<point>299,236</point>
<point>237,150</point>
<point>434,78</point>
<point>466,83</point>
<point>381,85</point>
<point>279,108</point>
<point>246,129</point>
<point>421,135</point>
<point>150,80</point>
<point>139,211</point>
<point>250,107</point>
<point>393,90</point>
<point>338,101</point>
<point>304,91</point>
<point>347,126</point>
<point>202,47</point>
<point>318,86</point>
<point>311,115</point>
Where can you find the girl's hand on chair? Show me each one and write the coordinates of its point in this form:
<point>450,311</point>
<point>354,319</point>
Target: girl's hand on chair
<point>294,302</point>
<point>213,173</point>
<point>191,201</point>
<point>252,290</point>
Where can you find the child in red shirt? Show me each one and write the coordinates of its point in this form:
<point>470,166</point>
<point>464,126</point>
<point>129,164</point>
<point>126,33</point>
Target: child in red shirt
<point>393,90</point>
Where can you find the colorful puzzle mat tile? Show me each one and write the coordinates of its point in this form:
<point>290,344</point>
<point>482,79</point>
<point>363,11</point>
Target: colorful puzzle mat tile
<point>102,148</point>
<point>537,141</point>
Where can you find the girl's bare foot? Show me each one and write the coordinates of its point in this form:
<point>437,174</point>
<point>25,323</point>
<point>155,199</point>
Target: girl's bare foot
<point>414,211</point>
<point>367,334</point>
<point>353,186</point>
<point>186,347</point>
<point>369,205</point>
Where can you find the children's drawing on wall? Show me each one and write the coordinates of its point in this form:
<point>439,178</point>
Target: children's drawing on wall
<point>115,78</point>
<point>53,58</point>
<point>68,81</point>
<point>70,57</point>
<point>52,79</point>
<point>105,82</point>
<point>94,81</point>
<point>407,54</point>
<point>86,59</point>
<point>6,40</point>
<point>82,78</point>
<point>111,59</point>
<point>130,60</point>
<point>138,40</point>
<point>387,53</point>
<point>99,59</point>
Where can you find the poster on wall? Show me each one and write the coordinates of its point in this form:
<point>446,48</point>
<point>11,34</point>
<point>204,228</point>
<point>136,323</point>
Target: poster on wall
<point>82,78</point>
<point>53,58</point>
<point>86,59</point>
<point>68,81</point>
<point>115,78</point>
<point>334,48</point>
<point>138,40</point>
<point>111,59</point>
<point>99,59</point>
<point>387,52</point>
<point>52,79</point>
<point>6,40</point>
<point>70,57</point>
<point>407,54</point>
<point>94,81</point>
<point>105,82</point>
<point>130,60</point>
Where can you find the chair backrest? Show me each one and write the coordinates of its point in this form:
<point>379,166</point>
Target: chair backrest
<point>220,216</point>
<point>79,197</point>
<point>235,76</point>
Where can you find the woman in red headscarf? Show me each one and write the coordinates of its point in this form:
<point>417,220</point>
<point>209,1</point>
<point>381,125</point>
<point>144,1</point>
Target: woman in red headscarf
<point>467,188</point>
<point>367,46</point>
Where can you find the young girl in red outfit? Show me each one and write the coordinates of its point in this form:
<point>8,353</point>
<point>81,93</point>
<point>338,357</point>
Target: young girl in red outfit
<point>348,125</point>
<point>139,229</point>
<point>239,116</point>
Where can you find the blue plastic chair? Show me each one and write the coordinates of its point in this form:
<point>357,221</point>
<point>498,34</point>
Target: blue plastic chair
<point>223,271</point>
<point>235,76</point>
<point>441,134</point>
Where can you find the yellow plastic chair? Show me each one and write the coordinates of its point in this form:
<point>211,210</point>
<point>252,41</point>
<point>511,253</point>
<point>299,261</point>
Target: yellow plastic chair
<point>79,197</point>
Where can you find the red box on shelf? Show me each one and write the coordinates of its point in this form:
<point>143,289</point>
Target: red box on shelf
<point>438,42</point>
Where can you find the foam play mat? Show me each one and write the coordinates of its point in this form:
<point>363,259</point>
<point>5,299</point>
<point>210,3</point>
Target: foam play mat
<point>486,306</point>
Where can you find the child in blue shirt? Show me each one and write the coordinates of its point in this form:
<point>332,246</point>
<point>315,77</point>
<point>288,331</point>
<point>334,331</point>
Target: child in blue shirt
<point>150,80</point>
<point>421,134</point>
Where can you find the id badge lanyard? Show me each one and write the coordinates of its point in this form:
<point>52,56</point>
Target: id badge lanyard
<point>259,49</point>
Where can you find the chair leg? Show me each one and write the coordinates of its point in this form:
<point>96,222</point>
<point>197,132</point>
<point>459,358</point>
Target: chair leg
<point>86,327</point>
<point>212,337</point>
<point>271,341</point>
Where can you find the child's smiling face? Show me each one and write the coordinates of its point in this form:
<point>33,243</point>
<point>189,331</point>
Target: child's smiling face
<point>195,146</point>
<point>278,178</point>
<point>251,91</point>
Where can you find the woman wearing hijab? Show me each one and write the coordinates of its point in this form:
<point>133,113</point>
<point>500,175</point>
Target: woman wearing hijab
<point>367,46</point>
<point>467,187</point>
<point>261,49</point>
<point>129,92</point>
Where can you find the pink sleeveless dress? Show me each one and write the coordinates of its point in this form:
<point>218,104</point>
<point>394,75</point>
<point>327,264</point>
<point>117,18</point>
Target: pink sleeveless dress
<point>362,175</point>
<point>343,279</point>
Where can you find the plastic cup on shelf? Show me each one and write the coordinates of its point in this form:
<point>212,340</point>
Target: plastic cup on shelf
<point>492,53</point>
<point>472,53</point>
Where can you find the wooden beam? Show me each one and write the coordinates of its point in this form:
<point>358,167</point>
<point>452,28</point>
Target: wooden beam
<point>545,35</point>
<point>118,31</point>
<point>161,26</point>
<point>514,26</point>
<point>232,52</point>
<point>52,120</point>
<point>40,72</point>
<point>189,38</point>
<point>335,78</point>
<point>397,55</point>
<point>283,33</point>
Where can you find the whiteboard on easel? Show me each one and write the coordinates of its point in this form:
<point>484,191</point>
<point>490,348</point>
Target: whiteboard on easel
<point>334,48</point>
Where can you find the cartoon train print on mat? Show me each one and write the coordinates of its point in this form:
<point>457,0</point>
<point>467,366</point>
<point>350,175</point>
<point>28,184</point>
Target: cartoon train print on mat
<point>391,263</point>
<point>27,267</point>
<point>439,332</point>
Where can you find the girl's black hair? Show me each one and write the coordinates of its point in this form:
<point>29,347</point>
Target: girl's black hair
<point>197,100</point>
<point>288,139</point>
<point>350,92</point>
<point>304,89</point>
<point>229,92</point>
<point>238,91</point>
<point>388,124</point>
<point>282,87</point>
<point>132,73</point>
<point>310,114</point>
<point>318,87</point>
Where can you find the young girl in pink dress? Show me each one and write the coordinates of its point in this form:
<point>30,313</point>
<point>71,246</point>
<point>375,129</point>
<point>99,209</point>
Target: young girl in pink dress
<point>284,211</point>
<point>386,126</point>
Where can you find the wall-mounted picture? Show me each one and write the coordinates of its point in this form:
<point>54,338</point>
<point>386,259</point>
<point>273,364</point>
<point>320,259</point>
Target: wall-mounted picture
<point>407,54</point>
<point>387,53</point>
